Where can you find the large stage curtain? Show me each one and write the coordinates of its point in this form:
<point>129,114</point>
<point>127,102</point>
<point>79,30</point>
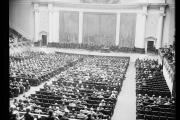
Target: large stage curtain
<point>99,29</point>
<point>127,30</point>
<point>69,25</point>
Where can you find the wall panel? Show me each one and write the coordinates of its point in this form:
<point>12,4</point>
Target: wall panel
<point>68,27</point>
<point>99,29</point>
<point>21,18</point>
<point>43,21</point>
<point>127,30</point>
<point>151,25</point>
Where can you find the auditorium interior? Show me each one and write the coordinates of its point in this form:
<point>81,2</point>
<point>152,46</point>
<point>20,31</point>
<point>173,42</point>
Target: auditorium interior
<point>92,60</point>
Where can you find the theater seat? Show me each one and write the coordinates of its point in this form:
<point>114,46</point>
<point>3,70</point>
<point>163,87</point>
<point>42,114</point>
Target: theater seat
<point>154,117</point>
<point>148,117</point>
<point>140,116</point>
<point>162,118</point>
<point>171,118</point>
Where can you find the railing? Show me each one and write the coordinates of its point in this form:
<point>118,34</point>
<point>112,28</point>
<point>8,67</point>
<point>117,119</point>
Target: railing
<point>168,71</point>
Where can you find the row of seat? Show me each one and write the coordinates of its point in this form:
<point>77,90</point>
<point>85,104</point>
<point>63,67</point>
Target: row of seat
<point>154,108</point>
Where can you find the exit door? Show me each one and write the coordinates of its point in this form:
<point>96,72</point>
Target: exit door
<point>44,40</point>
<point>150,46</point>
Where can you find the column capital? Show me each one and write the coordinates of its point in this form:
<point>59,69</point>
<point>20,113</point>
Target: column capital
<point>36,10</point>
<point>162,14</point>
<point>36,6</point>
<point>144,8</point>
<point>143,14</point>
<point>162,8</point>
<point>81,12</point>
<point>50,6</point>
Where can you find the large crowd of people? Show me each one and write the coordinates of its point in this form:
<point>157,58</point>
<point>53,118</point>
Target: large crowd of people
<point>39,65</point>
<point>85,91</point>
<point>36,68</point>
<point>169,53</point>
<point>154,100</point>
<point>18,42</point>
<point>25,55</point>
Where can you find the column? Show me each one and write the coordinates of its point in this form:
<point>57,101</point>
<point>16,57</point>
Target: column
<point>117,28</point>
<point>36,24</point>
<point>140,29</point>
<point>80,26</point>
<point>160,28</point>
<point>56,26</point>
<point>50,23</point>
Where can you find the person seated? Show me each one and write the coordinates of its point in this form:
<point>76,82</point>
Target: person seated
<point>81,115</point>
<point>15,102</point>
<point>152,98</point>
<point>100,96</point>
<point>66,109</point>
<point>20,105</point>
<point>114,91</point>
<point>89,117</point>
<point>92,111</point>
<point>58,112</point>
<point>50,116</point>
<point>14,113</point>
<point>146,98</point>
<point>102,103</point>
<point>159,100</point>
<point>168,102</point>
<point>85,110</point>
<point>113,96</point>
<point>27,115</point>
<point>38,110</point>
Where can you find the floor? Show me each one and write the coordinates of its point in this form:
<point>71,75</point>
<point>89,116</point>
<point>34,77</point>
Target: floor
<point>126,104</point>
<point>125,108</point>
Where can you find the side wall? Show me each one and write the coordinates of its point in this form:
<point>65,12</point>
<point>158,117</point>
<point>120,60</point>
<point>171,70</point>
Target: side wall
<point>21,17</point>
<point>169,27</point>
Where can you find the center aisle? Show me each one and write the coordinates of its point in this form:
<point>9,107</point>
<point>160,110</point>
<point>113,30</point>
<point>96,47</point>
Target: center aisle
<point>125,108</point>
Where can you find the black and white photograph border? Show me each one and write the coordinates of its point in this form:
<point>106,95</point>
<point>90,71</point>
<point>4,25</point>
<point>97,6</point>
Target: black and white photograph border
<point>92,60</point>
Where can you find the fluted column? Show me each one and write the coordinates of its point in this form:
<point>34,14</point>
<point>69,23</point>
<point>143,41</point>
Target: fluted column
<point>140,29</point>
<point>160,28</point>
<point>80,26</point>
<point>117,28</point>
<point>50,23</point>
<point>36,22</point>
<point>55,26</point>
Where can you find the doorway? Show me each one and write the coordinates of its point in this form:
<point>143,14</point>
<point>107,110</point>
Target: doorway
<point>150,47</point>
<point>44,40</point>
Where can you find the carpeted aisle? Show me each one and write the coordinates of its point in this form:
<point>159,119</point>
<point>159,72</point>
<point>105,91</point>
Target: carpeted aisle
<point>125,108</point>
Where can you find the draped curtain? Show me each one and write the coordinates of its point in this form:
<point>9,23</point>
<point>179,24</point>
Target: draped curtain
<point>69,25</point>
<point>127,30</point>
<point>99,29</point>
